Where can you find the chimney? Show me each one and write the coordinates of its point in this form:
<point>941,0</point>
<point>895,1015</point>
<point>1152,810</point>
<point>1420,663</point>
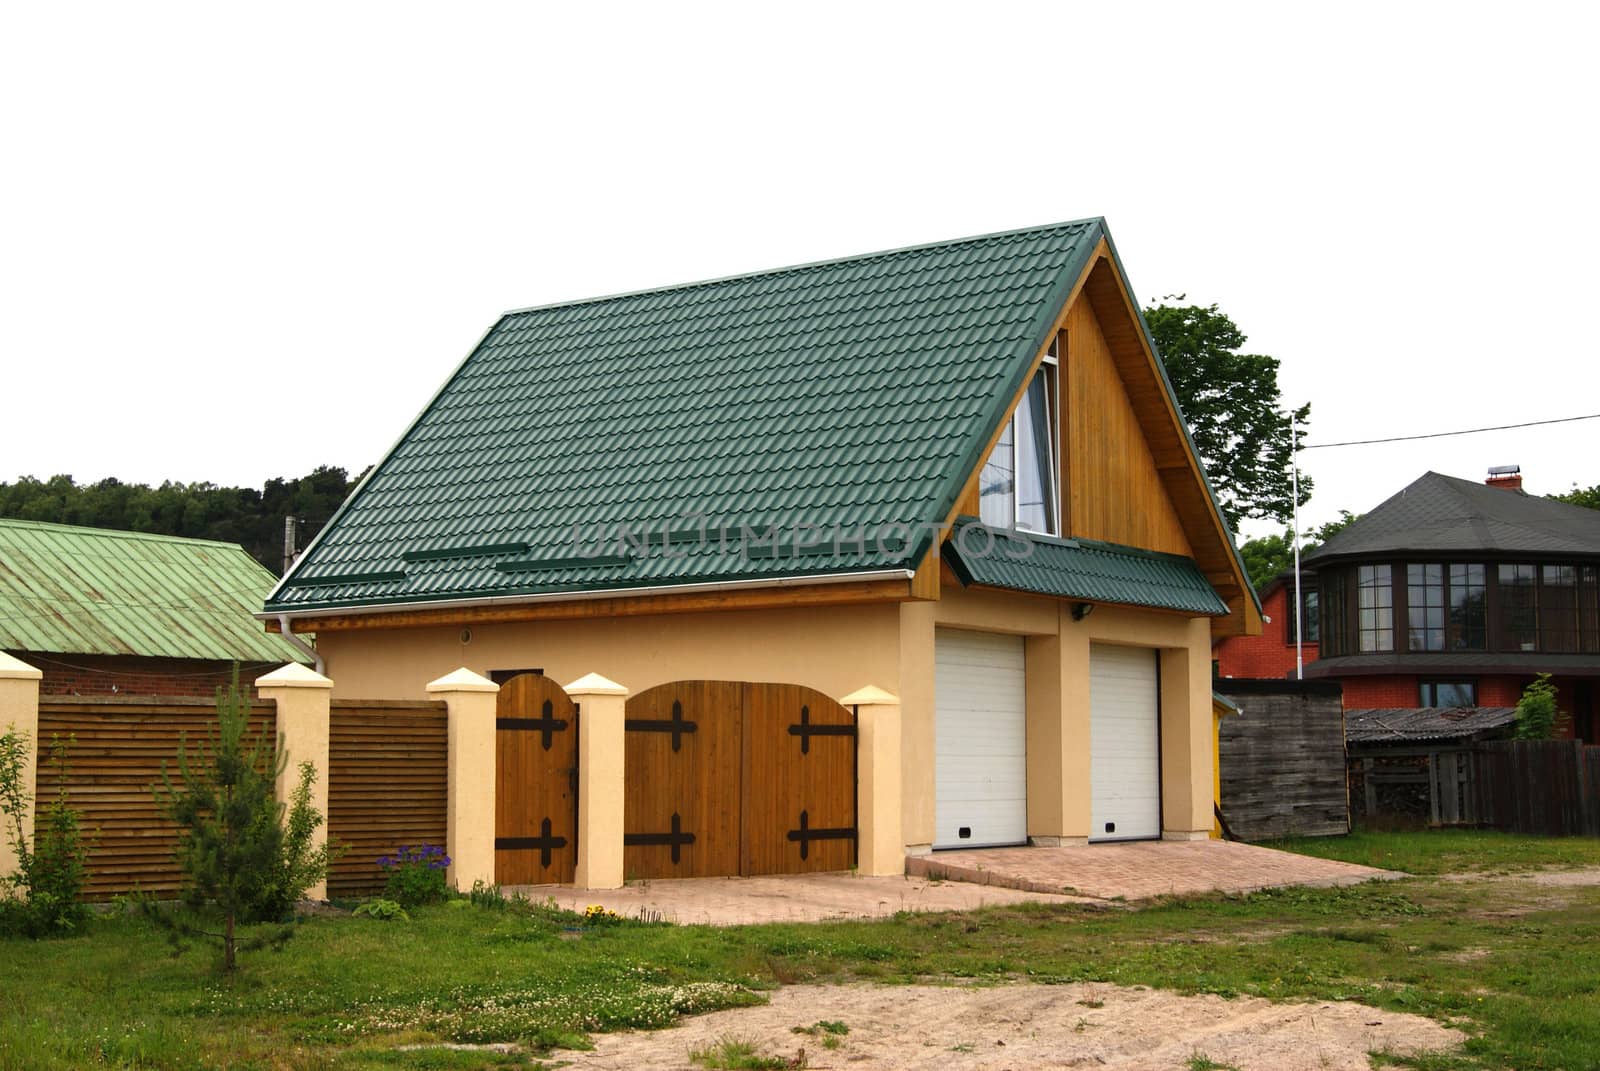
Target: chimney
<point>1505,477</point>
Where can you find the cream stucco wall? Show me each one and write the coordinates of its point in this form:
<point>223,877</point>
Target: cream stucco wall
<point>838,650</point>
<point>833,649</point>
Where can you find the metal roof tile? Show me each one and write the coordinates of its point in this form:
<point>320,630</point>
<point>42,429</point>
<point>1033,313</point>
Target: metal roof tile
<point>849,392</point>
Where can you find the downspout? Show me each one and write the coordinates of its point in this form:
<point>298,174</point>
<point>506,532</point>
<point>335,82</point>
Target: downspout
<point>288,634</point>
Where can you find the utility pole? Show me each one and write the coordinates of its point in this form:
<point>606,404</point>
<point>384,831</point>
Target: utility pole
<point>288,543</point>
<point>1294,540</point>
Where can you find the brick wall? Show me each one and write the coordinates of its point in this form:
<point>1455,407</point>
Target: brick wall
<point>1269,656</point>
<point>1361,693</point>
<point>69,674</point>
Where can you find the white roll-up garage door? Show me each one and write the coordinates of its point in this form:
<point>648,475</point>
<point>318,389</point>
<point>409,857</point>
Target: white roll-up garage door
<point>1124,743</point>
<point>980,705</point>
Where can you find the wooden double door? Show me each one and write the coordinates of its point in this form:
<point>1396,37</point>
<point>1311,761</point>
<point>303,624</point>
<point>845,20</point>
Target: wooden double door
<point>722,778</point>
<point>738,778</point>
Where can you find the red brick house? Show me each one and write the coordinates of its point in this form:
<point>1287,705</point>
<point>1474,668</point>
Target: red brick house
<point>1271,655</point>
<point>1450,594</point>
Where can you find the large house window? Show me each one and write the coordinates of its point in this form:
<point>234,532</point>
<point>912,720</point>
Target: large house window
<point>1425,607</point>
<point>1465,629</point>
<point>1449,693</point>
<point>1559,620</point>
<point>1375,606</point>
<point>1519,607</point>
<point>1017,487</point>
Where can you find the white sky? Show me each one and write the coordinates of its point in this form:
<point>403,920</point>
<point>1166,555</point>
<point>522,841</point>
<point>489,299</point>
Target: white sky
<point>240,241</point>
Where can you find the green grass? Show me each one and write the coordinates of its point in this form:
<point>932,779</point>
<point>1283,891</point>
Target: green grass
<point>732,1054</point>
<point>1504,958</point>
<point>1450,851</point>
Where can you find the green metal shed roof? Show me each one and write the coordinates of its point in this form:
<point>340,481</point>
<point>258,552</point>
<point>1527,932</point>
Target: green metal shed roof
<point>71,590</point>
<point>1080,569</point>
<point>838,397</point>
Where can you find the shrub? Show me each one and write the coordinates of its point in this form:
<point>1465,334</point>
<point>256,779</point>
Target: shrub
<point>416,875</point>
<point>301,864</point>
<point>382,910</point>
<point>42,897</point>
<point>1537,713</point>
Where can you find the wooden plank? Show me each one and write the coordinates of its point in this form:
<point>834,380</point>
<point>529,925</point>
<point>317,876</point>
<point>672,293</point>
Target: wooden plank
<point>838,594</point>
<point>1115,491</point>
<point>116,749</point>
<point>386,786</point>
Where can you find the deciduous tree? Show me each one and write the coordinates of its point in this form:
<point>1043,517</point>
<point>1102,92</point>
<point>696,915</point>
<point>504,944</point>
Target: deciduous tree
<point>1234,409</point>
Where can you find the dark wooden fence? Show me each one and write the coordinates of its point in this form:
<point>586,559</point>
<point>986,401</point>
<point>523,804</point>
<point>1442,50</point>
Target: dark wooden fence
<point>116,749</point>
<point>1549,787</point>
<point>386,785</point>
<point>1283,760</point>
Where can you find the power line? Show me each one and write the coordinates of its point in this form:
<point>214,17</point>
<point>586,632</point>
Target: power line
<point>1446,434</point>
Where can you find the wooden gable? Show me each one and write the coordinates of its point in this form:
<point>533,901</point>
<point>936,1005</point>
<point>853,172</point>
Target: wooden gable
<point>1128,472</point>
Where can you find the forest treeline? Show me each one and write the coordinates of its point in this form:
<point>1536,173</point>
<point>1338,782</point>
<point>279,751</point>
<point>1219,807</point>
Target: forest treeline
<point>244,515</point>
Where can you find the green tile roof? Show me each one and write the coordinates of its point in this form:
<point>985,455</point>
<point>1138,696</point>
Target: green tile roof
<point>70,590</point>
<point>1080,569</point>
<point>853,393</point>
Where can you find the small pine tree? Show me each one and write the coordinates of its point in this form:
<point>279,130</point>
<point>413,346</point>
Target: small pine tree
<point>242,864</point>
<point>1537,713</point>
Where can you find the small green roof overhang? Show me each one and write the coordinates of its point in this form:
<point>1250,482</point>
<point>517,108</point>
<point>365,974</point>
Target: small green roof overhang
<point>1080,569</point>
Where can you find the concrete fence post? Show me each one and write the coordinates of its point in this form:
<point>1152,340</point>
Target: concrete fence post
<point>602,706</point>
<point>302,696</point>
<point>19,710</point>
<point>470,780</point>
<point>880,844</point>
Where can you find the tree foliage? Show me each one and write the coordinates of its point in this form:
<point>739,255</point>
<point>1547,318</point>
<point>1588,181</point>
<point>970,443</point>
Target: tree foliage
<point>1588,497</point>
<point>1537,713</point>
<point>242,863</point>
<point>1234,409</point>
<point>240,515</point>
<point>1266,557</point>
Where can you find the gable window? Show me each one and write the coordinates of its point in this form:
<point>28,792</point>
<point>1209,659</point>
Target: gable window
<point>1375,606</point>
<point>1449,693</point>
<point>1017,488</point>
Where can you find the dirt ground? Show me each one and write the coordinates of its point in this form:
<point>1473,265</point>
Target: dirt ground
<point>1032,1026</point>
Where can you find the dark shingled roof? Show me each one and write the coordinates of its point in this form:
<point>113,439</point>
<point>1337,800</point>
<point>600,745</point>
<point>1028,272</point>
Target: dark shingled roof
<point>1395,725</point>
<point>1445,515</point>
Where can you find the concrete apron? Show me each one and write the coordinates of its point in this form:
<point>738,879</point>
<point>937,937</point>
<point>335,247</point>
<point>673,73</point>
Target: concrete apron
<point>1141,870</point>
<point>1102,874</point>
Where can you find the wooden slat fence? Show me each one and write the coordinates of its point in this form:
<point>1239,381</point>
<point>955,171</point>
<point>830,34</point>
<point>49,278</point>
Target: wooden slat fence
<point>1546,787</point>
<point>386,785</point>
<point>116,747</point>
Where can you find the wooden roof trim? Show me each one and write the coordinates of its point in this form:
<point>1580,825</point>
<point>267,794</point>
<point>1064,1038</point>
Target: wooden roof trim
<point>1177,465</point>
<point>751,598</point>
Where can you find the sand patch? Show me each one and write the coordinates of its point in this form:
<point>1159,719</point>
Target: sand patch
<point>1034,1026</point>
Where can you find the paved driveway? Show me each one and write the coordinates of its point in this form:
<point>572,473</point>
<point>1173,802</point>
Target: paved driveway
<point>963,880</point>
<point>1139,870</point>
